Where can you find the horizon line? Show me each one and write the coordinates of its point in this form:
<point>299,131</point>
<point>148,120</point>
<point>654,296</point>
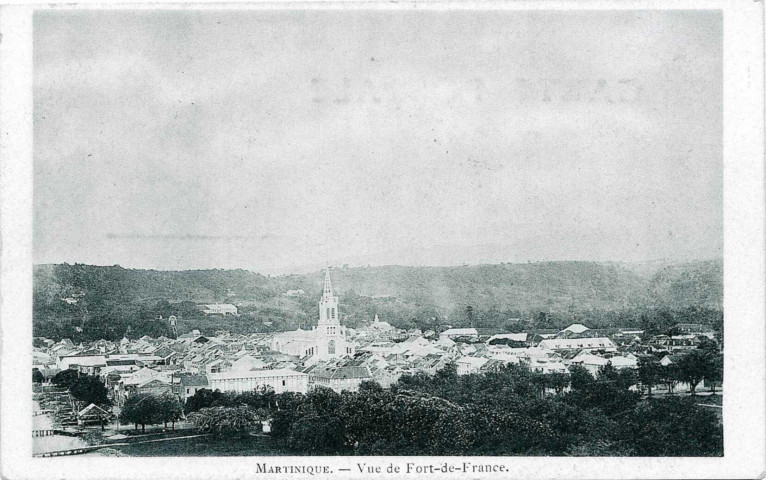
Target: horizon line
<point>308,269</point>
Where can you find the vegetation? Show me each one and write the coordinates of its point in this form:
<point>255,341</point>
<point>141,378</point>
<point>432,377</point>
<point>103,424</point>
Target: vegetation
<point>509,412</point>
<point>694,367</point>
<point>110,302</point>
<point>149,409</point>
<point>649,373</point>
<point>205,398</point>
<point>89,389</point>
<point>65,378</point>
<point>226,420</point>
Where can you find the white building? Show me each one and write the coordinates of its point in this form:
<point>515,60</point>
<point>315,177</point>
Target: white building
<point>592,363</point>
<point>327,340</point>
<point>468,365</point>
<point>219,309</point>
<point>576,328</point>
<point>281,380</point>
<point>460,332</point>
<point>600,343</point>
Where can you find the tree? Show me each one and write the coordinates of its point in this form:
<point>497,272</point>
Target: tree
<point>714,375</point>
<point>673,331</point>
<point>89,389</point>
<point>142,409</point>
<point>673,426</point>
<point>65,378</point>
<point>693,367</point>
<point>203,398</point>
<point>649,373</point>
<point>318,434</point>
<point>558,382</point>
<point>580,378</point>
<point>669,376</point>
<point>37,376</point>
<point>226,420</point>
<point>708,345</point>
<point>171,409</point>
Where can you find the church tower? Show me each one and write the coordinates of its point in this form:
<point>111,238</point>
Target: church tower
<point>328,305</point>
<point>331,334</point>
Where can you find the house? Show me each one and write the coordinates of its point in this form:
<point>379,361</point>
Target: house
<point>140,381</point>
<point>591,363</point>
<point>468,365</point>
<point>696,329</point>
<point>167,355</point>
<point>339,375</point>
<point>547,365</point>
<point>246,363</point>
<point>191,383</point>
<point>93,415</point>
<point>683,342</point>
<point>576,330</point>
<point>430,363</point>
<point>155,386</point>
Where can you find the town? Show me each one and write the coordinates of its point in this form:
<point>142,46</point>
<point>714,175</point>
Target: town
<point>189,367</point>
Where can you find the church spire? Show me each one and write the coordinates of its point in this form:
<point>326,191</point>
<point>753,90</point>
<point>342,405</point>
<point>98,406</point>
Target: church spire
<point>327,284</point>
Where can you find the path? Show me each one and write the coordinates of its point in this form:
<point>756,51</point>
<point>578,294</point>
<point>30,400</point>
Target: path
<point>86,449</point>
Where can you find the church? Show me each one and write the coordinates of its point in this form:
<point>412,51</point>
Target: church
<point>326,340</point>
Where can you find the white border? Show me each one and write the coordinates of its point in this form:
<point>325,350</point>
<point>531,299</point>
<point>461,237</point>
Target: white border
<point>744,213</point>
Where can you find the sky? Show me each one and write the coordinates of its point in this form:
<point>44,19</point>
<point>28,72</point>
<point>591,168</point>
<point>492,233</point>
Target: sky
<point>280,141</point>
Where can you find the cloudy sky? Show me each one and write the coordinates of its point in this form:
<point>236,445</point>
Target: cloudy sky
<point>277,140</point>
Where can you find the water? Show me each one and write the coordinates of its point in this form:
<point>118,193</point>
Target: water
<point>53,442</point>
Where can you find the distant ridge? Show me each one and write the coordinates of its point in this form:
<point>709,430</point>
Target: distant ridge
<point>559,285</point>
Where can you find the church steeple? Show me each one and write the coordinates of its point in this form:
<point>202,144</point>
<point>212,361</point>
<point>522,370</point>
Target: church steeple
<point>327,285</point>
<point>328,304</point>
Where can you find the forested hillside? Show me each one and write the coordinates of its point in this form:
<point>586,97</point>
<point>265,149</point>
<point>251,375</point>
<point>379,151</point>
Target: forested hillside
<point>111,301</point>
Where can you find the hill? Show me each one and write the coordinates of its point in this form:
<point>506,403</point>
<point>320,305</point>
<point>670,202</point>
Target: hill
<point>111,299</point>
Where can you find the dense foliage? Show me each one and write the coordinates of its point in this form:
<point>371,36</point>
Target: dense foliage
<point>65,378</point>
<point>90,389</point>
<point>109,302</point>
<point>509,412</point>
<point>226,420</point>
<point>205,398</point>
<point>150,409</point>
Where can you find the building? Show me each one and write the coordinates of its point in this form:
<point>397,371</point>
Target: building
<point>90,364</point>
<point>191,383</point>
<point>601,343</point>
<point>460,332</point>
<point>696,329</point>
<point>339,374</point>
<point>280,380</point>
<point>575,328</point>
<point>468,365</point>
<point>508,339</point>
<point>327,340</point>
<point>219,309</point>
<point>593,363</point>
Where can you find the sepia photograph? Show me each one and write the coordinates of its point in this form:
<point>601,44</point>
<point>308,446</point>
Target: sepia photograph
<point>462,236</point>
